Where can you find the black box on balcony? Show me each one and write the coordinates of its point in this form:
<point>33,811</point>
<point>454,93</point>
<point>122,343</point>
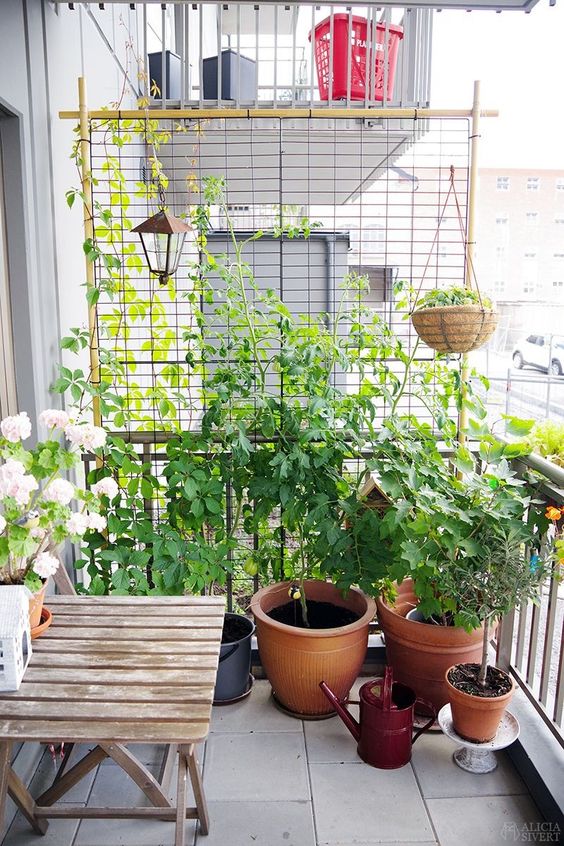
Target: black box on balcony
<point>238,77</point>
<point>173,73</point>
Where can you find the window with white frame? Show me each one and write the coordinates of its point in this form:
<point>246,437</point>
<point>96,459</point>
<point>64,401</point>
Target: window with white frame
<point>560,184</point>
<point>533,183</point>
<point>530,272</point>
<point>532,218</point>
<point>502,229</point>
<point>498,286</point>
<point>502,183</point>
<point>558,283</point>
<point>559,219</point>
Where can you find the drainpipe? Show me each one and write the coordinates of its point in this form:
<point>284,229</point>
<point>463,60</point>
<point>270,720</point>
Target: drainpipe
<point>329,239</point>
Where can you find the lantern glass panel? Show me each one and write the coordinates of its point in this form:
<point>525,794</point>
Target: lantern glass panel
<point>163,251</point>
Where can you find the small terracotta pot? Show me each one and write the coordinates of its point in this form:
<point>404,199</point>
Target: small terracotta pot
<point>420,653</point>
<point>296,660</point>
<point>477,718</point>
<point>35,606</point>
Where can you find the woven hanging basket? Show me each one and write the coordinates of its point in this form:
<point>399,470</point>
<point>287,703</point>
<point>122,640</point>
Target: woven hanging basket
<point>455,329</point>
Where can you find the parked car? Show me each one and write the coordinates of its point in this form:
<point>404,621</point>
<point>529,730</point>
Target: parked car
<point>537,351</point>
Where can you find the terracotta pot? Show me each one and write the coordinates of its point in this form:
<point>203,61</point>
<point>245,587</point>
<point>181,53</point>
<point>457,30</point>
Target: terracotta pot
<point>35,606</point>
<point>477,718</point>
<point>296,660</point>
<point>421,653</point>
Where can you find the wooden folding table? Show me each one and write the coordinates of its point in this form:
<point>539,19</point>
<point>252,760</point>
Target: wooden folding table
<point>114,671</point>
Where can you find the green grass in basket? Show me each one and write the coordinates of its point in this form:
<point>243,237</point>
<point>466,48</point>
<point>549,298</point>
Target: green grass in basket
<point>455,296</point>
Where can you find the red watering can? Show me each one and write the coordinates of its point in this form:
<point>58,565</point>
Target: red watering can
<point>384,732</point>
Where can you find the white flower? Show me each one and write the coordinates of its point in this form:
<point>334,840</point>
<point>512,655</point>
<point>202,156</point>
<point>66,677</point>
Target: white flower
<point>106,487</point>
<point>86,435</point>
<point>52,418</point>
<point>2,523</point>
<point>15,482</point>
<point>16,428</point>
<point>37,533</point>
<point>96,522</point>
<point>45,565</point>
<point>59,490</point>
<point>77,524</point>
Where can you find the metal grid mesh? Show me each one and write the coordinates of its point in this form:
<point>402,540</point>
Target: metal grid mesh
<point>376,187</point>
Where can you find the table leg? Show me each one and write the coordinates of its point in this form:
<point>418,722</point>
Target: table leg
<point>63,784</point>
<point>165,772</point>
<point>179,838</point>
<point>140,774</point>
<point>198,788</point>
<point>5,760</point>
<point>25,802</point>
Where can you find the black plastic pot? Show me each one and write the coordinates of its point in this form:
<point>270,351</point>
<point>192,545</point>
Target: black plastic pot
<point>233,674</point>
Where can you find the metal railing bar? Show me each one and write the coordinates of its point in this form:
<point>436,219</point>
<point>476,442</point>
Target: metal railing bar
<point>275,55</point>
<point>200,56</point>
<point>331,53</point>
<point>541,711</point>
<point>311,50</point>
<point>219,56</point>
<point>533,643</point>
<point>504,646</point>
<point>163,56</point>
<point>184,13</point>
<point>521,631</point>
<point>293,58</point>
<point>350,38</point>
<point>559,695</point>
<point>257,14</point>
<point>386,57</point>
<point>548,639</point>
<point>237,99</point>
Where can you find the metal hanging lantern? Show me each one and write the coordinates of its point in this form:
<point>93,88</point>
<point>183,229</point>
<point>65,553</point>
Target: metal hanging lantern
<point>162,237</point>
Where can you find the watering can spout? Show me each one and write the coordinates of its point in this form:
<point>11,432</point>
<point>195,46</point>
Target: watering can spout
<point>343,713</point>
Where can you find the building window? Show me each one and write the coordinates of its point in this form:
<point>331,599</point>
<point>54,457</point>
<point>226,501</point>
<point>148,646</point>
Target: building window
<point>501,220</point>
<point>530,272</point>
<point>500,252</point>
<point>533,183</point>
<point>558,283</point>
<point>560,184</point>
<point>559,257</point>
<point>499,286</point>
<point>502,183</point>
<point>559,219</point>
<point>532,218</point>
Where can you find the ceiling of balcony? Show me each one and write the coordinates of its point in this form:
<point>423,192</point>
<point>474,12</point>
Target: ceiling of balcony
<point>298,163</point>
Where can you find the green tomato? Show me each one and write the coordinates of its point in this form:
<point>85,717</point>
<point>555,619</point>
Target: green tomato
<point>250,566</point>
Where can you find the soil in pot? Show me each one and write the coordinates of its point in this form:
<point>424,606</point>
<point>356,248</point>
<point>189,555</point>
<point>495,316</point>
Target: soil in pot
<point>476,711</point>
<point>321,615</point>
<point>464,677</point>
<point>234,629</point>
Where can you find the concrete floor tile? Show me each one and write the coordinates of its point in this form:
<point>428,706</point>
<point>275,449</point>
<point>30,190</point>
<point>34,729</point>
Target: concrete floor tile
<point>259,824</point>
<point>440,777</point>
<point>355,803</point>
<point>486,820</point>
<point>329,741</point>
<point>261,766</point>
<point>255,713</point>
<point>59,833</point>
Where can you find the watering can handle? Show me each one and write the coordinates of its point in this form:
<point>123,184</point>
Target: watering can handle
<point>432,719</point>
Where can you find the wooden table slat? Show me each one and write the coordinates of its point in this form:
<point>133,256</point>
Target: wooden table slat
<point>63,632</point>
<point>145,611</point>
<point>173,622</point>
<point>38,691</point>
<point>104,711</point>
<point>41,646</point>
<point>140,662</point>
<point>124,731</point>
<point>126,676</point>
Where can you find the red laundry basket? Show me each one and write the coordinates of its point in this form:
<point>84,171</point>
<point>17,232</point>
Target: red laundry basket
<point>362,42</point>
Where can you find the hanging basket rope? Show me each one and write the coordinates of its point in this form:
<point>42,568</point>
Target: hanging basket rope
<point>454,328</point>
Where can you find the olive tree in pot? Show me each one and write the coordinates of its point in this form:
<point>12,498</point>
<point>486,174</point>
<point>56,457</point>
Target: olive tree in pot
<point>499,576</point>
<point>438,515</point>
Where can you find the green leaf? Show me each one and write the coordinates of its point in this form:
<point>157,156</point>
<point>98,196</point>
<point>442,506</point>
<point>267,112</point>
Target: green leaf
<point>517,426</point>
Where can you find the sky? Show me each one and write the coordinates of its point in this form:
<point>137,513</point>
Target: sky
<point>519,60</point>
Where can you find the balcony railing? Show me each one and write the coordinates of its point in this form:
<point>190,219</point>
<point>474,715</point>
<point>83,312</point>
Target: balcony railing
<point>530,642</point>
<point>277,46</point>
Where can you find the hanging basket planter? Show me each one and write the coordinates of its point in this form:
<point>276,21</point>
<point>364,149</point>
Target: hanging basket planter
<point>455,329</point>
<point>456,319</point>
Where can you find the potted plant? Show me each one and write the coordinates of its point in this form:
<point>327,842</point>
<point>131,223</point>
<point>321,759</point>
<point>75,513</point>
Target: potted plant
<point>499,576</point>
<point>454,319</point>
<point>36,500</point>
<point>433,528</point>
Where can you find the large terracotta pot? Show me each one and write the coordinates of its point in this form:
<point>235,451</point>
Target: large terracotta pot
<point>477,718</point>
<point>296,660</point>
<point>421,653</point>
<point>36,606</point>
